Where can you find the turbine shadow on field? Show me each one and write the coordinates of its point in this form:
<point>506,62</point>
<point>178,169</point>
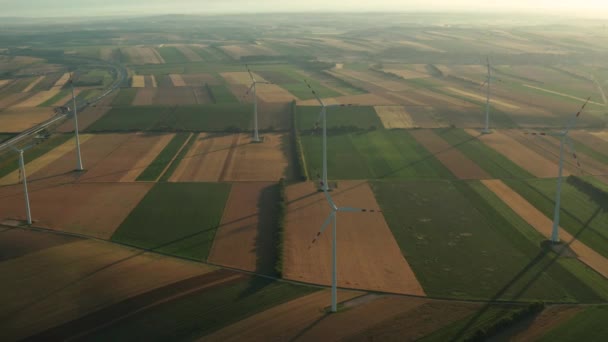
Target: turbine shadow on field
<point>266,241</point>
<point>542,254</point>
<point>309,327</point>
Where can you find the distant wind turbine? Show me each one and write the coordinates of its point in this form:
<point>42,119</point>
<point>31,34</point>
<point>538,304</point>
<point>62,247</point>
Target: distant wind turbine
<point>24,181</point>
<point>256,136</point>
<point>488,82</point>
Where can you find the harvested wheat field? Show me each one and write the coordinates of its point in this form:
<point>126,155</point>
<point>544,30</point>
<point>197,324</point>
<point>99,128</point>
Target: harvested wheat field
<point>44,160</point>
<point>241,77</point>
<point>368,257</point>
<point>91,209</point>
<point>145,96</point>
<point>9,100</point>
<point>17,120</point>
<point>232,157</point>
<point>359,100</point>
<point>543,225</point>
<point>138,81</point>
<point>438,99</point>
<point>128,160</point>
<point>243,50</point>
<point>33,84</point>
<point>274,93</point>
<point>408,74</point>
<point>588,164</point>
<point>143,55</point>
<point>37,98</point>
<point>451,157</point>
<point>425,117</point>
<point>283,322</point>
<point>394,117</point>
<point>199,80</point>
<point>546,147</point>
<point>177,80</point>
<point>592,140</point>
<point>405,98</point>
<point>602,135</point>
<point>67,98</point>
<point>478,97</point>
<point>188,53</point>
<point>100,275</point>
<point>521,155</point>
<point>62,80</point>
<point>546,321</point>
<point>85,118</point>
<point>580,99</point>
<point>5,82</point>
<point>244,238</point>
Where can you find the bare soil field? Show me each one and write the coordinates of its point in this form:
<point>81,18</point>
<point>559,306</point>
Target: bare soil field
<point>138,81</point>
<point>591,140</point>
<point>33,84</point>
<point>394,117</point>
<point>518,153</point>
<point>550,318</point>
<point>368,255</point>
<point>5,82</point>
<point>93,209</point>
<point>408,74</point>
<point>245,234</point>
<point>241,77</point>
<point>99,276</point>
<point>44,160</point>
<point>425,117</point>
<point>143,55</point>
<point>452,158</point>
<point>406,98</point>
<point>12,99</point>
<point>16,119</point>
<point>274,93</point>
<point>243,50</point>
<point>188,53</point>
<point>359,100</point>
<point>37,98</point>
<point>17,242</point>
<point>543,225</point>
<point>602,135</point>
<point>175,96</point>
<point>145,96</point>
<point>283,322</point>
<point>546,147</point>
<point>438,99</point>
<point>62,80</point>
<point>478,97</point>
<point>177,80</point>
<point>85,118</point>
<point>589,164</point>
<point>199,80</point>
<point>419,46</point>
<point>124,160</point>
<point>233,158</point>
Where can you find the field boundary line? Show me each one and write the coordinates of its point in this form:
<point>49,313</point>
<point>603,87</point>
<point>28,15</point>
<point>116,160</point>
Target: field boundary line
<point>175,156</point>
<point>228,162</point>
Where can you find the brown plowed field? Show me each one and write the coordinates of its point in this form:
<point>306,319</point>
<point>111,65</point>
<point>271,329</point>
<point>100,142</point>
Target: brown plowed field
<point>232,157</point>
<point>602,135</point>
<point>17,120</point>
<point>591,140</point>
<point>145,96</point>
<point>529,160</point>
<point>283,322</point>
<point>368,255</point>
<point>122,160</point>
<point>94,209</point>
<point>85,119</point>
<point>544,225</point>
<point>148,157</point>
<point>17,242</point>
<point>452,158</point>
<point>545,147</point>
<point>37,98</point>
<point>588,164</point>
<point>478,97</point>
<point>143,55</point>
<point>394,117</point>
<point>547,320</point>
<point>33,84</point>
<point>99,275</point>
<point>244,237</point>
<point>359,100</point>
<point>9,100</point>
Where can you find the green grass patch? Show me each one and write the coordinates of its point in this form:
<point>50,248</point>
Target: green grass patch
<point>488,159</point>
<point>378,154</point>
<point>124,97</point>
<point>589,325</point>
<point>581,214</point>
<point>9,161</point>
<point>225,117</point>
<point>462,242</point>
<point>338,118</point>
<point>168,219</point>
<point>221,94</point>
<point>172,55</point>
<point>139,118</point>
<point>154,170</point>
<point>204,312</point>
<point>165,177</point>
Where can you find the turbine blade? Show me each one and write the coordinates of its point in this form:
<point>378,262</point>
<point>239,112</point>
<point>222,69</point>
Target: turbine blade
<point>571,147</point>
<point>330,201</point>
<point>250,73</point>
<point>323,227</point>
<point>314,93</point>
<point>572,121</point>
<point>358,210</point>
<point>250,87</point>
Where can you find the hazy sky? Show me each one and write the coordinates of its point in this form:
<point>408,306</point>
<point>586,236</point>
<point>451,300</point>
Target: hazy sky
<point>41,8</point>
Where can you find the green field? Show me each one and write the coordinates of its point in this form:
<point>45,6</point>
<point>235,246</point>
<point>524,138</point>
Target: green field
<point>213,118</point>
<point>589,325</point>
<point>581,214</point>
<point>221,94</point>
<point>180,156</point>
<point>154,170</point>
<point>338,118</point>
<point>139,118</point>
<point>372,155</point>
<point>494,163</point>
<point>172,55</point>
<point>167,221</point>
<point>463,242</point>
<point>9,160</point>
<point>125,97</point>
<point>203,312</point>
<point>54,99</point>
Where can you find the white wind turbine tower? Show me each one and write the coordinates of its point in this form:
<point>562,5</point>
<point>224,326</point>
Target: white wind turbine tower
<point>79,166</point>
<point>564,138</point>
<point>488,82</point>
<point>256,136</point>
<point>334,265</point>
<point>24,181</point>
<point>323,117</point>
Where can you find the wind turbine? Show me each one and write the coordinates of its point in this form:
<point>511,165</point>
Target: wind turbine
<point>488,82</point>
<point>334,265</point>
<point>66,109</point>
<point>24,180</point>
<point>256,136</point>
<point>323,117</point>
<point>564,138</point>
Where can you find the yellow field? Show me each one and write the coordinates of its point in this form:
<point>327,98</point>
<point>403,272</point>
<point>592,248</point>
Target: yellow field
<point>238,51</point>
<point>177,80</point>
<point>274,93</point>
<point>4,82</point>
<point>138,81</point>
<point>407,74</point>
<point>33,84</point>
<point>16,120</point>
<point>602,135</point>
<point>241,78</point>
<point>482,98</point>
<point>143,55</point>
<point>359,100</point>
<point>153,79</point>
<point>394,117</point>
<point>562,94</point>
<point>38,98</point>
<point>62,81</point>
<point>49,157</point>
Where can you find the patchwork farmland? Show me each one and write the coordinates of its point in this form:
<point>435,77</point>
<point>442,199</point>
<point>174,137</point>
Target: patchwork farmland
<point>182,227</point>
